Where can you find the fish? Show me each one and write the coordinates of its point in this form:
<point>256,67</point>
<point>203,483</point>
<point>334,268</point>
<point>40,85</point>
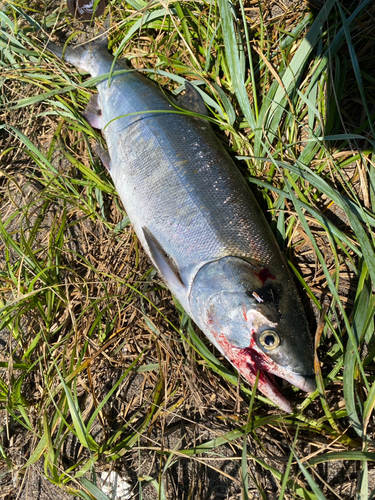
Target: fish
<point>199,222</point>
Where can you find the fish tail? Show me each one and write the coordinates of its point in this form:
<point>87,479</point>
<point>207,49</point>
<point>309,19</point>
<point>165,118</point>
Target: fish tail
<point>79,56</point>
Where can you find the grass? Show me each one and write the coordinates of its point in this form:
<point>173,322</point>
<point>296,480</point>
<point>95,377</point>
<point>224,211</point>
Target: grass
<point>100,369</point>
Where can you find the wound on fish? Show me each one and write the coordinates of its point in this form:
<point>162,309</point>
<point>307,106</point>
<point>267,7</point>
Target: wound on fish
<point>265,274</point>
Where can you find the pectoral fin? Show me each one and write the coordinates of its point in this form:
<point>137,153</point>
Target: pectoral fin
<point>164,263</point>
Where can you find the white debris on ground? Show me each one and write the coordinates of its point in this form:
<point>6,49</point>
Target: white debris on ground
<point>115,487</point>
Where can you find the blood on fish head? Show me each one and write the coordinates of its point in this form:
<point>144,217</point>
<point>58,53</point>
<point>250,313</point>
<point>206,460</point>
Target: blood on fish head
<point>256,320</point>
<point>264,274</point>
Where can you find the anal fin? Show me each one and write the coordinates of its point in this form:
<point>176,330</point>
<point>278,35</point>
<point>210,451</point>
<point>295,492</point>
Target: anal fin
<point>164,263</point>
<point>103,155</point>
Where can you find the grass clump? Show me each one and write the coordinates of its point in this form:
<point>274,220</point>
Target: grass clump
<point>100,369</point>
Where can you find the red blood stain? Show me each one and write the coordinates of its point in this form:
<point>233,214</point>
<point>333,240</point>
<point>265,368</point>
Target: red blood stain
<point>249,363</point>
<point>210,319</point>
<point>265,274</point>
<point>244,312</point>
<point>256,360</point>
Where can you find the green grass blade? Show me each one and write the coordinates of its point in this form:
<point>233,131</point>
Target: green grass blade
<point>317,491</point>
<point>93,490</point>
<point>294,71</point>
<point>356,68</point>
<point>233,60</point>
<point>285,476</point>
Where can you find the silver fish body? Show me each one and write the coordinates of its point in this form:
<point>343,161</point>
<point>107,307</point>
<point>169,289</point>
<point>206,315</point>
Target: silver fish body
<point>201,226</point>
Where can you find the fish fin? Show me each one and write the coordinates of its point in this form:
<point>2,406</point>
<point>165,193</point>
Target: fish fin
<point>55,49</point>
<point>192,100</point>
<point>73,55</point>
<point>93,112</point>
<point>163,262</point>
<point>103,155</point>
<point>80,56</point>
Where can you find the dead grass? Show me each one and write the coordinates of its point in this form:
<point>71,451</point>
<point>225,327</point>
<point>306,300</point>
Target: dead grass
<point>96,308</point>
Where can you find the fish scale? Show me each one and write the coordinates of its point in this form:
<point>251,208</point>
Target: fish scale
<point>200,225</point>
<point>209,203</point>
<point>191,169</point>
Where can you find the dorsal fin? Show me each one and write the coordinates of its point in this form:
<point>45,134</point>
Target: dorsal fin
<point>192,100</point>
<point>164,263</point>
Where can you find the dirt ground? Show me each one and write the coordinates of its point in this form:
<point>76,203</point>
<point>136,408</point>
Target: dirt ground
<point>203,406</point>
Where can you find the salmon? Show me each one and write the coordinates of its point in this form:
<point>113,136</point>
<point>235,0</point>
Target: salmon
<point>200,224</point>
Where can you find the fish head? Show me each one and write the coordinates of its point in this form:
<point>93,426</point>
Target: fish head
<point>254,317</point>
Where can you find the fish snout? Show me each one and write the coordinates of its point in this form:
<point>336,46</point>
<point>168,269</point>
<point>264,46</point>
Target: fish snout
<point>310,383</point>
<point>306,383</point>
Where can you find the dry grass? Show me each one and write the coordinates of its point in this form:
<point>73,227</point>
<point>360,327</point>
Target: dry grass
<point>85,318</point>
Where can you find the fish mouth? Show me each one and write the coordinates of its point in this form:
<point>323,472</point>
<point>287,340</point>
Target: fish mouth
<point>268,386</point>
<point>268,369</point>
<point>249,362</point>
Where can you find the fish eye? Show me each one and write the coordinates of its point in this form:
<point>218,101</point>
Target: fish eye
<point>269,339</point>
